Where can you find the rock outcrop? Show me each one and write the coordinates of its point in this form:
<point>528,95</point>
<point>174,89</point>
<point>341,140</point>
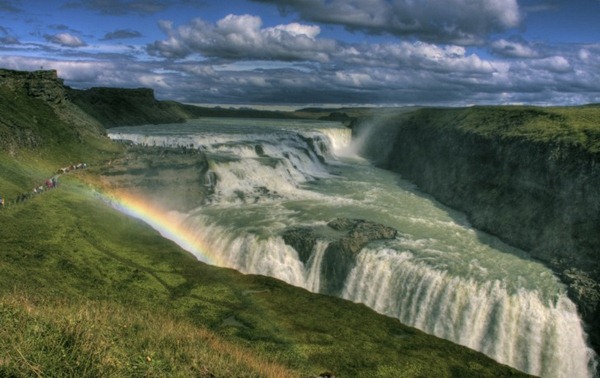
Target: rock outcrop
<point>340,255</point>
<point>126,107</point>
<point>45,85</point>
<point>527,175</point>
<point>172,178</point>
<point>37,112</point>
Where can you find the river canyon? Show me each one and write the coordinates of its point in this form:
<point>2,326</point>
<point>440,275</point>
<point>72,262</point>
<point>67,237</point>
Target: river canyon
<point>299,201</point>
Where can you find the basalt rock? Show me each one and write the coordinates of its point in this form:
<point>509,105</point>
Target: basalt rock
<point>39,84</point>
<point>340,256</point>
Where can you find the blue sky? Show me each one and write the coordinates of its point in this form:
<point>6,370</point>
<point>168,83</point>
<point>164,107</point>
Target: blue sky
<point>300,52</point>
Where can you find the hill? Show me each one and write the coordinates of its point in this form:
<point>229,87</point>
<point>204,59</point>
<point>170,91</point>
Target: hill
<point>88,291</point>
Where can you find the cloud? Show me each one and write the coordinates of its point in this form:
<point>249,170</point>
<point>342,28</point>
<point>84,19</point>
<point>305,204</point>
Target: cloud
<point>65,39</point>
<point>122,7</point>
<point>463,22</point>
<point>122,34</point>
<point>243,37</point>
<point>556,64</point>
<point>8,40</point>
<point>59,27</point>
<point>513,49</point>
<point>9,6</point>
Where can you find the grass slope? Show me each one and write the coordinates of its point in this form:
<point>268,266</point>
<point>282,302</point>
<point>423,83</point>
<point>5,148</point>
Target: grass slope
<point>89,291</point>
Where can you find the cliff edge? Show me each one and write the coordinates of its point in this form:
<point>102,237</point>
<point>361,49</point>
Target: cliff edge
<point>528,175</point>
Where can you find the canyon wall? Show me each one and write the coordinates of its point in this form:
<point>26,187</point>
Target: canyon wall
<point>530,176</point>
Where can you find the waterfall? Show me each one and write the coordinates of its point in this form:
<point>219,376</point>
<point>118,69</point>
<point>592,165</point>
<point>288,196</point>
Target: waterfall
<point>517,329</point>
<point>313,267</point>
<point>266,177</point>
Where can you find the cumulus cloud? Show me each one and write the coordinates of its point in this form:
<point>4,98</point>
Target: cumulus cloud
<point>556,64</point>
<point>65,39</point>
<point>462,22</point>
<point>513,49</point>
<point>243,37</point>
<point>121,34</point>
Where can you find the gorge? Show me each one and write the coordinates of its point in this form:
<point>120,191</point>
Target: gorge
<point>296,200</point>
<point>292,200</point>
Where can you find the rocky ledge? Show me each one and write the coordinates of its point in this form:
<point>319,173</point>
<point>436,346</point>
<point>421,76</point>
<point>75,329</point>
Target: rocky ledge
<point>346,238</point>
<point>172,178</point>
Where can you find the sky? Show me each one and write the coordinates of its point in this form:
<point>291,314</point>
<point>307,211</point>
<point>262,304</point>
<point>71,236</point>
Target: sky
<point>315,52</point>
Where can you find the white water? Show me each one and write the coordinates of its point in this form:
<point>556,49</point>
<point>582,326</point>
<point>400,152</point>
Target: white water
<point>440,275</point>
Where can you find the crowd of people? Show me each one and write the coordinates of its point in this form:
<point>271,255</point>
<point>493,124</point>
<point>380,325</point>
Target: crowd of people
<point>49,184</point>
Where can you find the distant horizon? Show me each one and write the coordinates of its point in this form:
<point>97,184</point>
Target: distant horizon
<point>384,53</point>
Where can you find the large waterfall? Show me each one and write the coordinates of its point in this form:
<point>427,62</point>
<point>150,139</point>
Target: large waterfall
<point>439,274</point>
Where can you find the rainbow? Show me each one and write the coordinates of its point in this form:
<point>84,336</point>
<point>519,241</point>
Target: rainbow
<point>168,223</point>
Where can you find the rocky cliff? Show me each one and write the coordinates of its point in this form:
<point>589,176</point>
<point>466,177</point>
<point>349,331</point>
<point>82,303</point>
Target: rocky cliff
<point>531,176</point>
<point>176,178</point>
<point>39,84</point>
<point>350,236</point>
<point>37,112</point>
<point>121,106</point>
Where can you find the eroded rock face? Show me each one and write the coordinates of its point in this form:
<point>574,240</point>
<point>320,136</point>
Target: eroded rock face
<point>175,178</point>
<point>40,84</point>
<point>540,196</point>
<point>340,256</point>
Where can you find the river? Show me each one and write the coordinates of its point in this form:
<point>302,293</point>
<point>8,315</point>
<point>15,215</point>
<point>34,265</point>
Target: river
<point>439,274</point>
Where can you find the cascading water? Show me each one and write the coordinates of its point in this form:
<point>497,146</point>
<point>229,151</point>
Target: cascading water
<point>439,274</point>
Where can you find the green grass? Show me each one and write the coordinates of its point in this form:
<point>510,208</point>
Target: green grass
<point>81,279</point>
<point>574,126</point>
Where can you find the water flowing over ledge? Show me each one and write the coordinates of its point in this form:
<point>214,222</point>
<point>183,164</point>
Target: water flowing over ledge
<point>439,275</point>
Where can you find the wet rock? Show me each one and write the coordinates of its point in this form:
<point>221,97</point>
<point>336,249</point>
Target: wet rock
<point>340,255</point>
<point>302,239</point>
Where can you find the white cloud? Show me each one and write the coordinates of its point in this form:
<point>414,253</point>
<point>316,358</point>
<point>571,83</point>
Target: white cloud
<point>513,49</point>
<point>556,64</point>
<point>242,37</point>
<point>65,39</point>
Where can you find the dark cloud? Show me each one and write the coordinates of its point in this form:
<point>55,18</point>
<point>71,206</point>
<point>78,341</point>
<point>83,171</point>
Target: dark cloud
<point>446,21</point>
<point>59,27</point>
<point>122,7</point>
<point>9,6</point>
<point>122,34</point>
<point>8,40</point>
<point>65,39</point>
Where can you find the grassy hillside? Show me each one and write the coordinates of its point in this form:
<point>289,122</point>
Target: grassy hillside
<point>88,291</point>
<point>577,126</point>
